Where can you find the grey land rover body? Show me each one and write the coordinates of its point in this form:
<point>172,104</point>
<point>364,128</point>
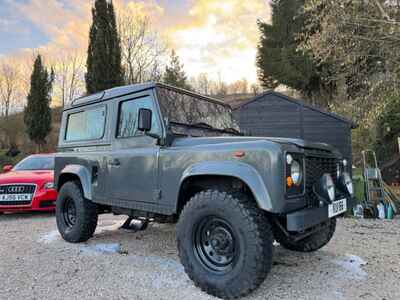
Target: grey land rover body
<point>150,150</point>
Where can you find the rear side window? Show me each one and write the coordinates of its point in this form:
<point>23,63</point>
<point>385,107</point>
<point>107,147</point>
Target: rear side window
<point>86,125</point>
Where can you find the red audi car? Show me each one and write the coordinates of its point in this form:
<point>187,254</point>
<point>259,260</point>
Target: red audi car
<point>29,185</point>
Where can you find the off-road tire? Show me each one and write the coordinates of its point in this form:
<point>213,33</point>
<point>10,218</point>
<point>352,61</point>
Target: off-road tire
<point>311,243</point>
<point>86,214</point>
<point>251,230</point>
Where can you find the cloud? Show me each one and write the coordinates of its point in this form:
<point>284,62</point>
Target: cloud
<point>220,37</point>
<point>65,23</point>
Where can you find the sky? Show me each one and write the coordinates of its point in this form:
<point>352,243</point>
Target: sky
<point>217,37</point>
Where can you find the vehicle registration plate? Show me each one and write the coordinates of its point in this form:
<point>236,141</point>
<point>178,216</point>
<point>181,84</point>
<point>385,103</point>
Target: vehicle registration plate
<point>15,197</point>
<point>337,208</point>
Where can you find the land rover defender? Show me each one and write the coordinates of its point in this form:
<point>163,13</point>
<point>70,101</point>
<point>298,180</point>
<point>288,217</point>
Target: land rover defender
<point>162,154</point>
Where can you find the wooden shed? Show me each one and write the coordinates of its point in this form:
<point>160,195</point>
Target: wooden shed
<point>272,114</point>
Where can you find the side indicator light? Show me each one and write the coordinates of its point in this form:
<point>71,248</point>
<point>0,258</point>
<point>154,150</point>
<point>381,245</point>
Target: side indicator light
<point>239,154</point>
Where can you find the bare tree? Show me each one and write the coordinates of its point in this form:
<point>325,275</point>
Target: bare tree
<point>255,89</point>
<point>69,81</point>
<point>10,91</point>
<point>204,84</point>
<point>8,87</point>
<point>239,87</point>
<point>142,50</point>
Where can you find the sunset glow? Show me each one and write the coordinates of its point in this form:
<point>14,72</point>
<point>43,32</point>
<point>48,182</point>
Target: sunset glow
<point>217,37</point>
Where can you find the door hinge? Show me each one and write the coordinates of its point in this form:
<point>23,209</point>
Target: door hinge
<point>156,195</point>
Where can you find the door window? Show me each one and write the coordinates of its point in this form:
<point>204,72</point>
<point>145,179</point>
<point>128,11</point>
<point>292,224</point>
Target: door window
<point>128,117</point>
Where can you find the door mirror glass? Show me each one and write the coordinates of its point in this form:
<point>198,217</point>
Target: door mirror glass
<point>145,119</point>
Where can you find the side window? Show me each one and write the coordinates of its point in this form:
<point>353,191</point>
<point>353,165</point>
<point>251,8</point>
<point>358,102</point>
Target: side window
<point>86,125</point>
<point>128,117</point>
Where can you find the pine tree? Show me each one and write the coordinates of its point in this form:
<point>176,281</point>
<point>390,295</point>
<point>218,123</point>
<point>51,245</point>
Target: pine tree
<point>104,68</point>
<point>279,61</point>
<point>37,114</point>
<point>174,74</point>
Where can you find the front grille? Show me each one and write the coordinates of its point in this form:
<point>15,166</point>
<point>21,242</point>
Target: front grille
<point>15,189</point>
<point>317,164</point>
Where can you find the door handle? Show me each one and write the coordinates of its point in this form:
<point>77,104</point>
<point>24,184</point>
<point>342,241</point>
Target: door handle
<point>114,162</point>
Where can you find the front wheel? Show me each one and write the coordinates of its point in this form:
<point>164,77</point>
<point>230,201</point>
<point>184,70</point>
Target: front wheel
<point>76,216</point>
<point>311,243</point>
<point>225,243</point>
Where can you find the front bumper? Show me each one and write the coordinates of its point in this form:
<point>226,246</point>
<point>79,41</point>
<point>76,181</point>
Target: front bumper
<point>307,218</point>
<point>43,200</point>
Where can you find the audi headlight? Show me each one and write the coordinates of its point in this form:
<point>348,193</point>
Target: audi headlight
<point>347,183</point>
<point>49,185</point>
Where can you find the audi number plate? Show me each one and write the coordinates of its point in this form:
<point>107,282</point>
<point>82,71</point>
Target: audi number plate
<point>15,197</point>
<point>337,208</point>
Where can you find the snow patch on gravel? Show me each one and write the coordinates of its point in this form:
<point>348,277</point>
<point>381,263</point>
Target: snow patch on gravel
<point>101,249</point>
<point>353,265</point>
<point>170,273</point>
<point>50,237</point>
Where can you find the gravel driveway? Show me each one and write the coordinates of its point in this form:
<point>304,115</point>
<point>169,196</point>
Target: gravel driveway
<point>362,262</point>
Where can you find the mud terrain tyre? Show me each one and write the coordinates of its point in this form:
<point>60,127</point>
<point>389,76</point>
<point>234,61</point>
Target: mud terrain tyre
<point>310,243</point>
<point>225,243</point>
<point>76,216</point>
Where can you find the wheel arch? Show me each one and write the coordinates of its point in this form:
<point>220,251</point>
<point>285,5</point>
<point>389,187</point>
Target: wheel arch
<point>77,173</point>
<point>223,175</point>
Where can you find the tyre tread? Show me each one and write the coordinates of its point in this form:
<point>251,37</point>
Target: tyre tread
<point>256,224</point>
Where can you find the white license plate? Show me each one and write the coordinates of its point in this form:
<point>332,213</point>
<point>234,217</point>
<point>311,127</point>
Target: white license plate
<point>337,208</point>
<point>15,197</point>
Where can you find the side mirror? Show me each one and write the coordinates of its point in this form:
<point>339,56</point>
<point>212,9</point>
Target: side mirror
<point>7,168</point>
<point>145,119</point>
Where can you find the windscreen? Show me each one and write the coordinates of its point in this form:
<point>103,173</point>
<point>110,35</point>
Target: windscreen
<point>188,109</point>
<point>35,163</point>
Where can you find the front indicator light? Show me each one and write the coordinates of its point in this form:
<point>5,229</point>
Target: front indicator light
<point>289,182</point>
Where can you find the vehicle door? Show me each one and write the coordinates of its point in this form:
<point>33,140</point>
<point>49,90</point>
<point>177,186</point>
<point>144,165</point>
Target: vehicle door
<point>133,162</point>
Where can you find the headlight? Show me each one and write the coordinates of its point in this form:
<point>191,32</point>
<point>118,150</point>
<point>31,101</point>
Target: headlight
<point>49,185</point>
<point>296,172</point>
<point>326,188</point>
<point>330,186</point>
<point>347,183</point>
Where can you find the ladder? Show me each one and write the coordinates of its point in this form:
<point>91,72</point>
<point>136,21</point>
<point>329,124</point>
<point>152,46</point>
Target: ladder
<point>374,186</point>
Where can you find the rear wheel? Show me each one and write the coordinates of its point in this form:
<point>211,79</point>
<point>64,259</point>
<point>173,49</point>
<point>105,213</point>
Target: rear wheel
<point>76,216</point>
<point>311,243</point>
<point>225,243</point>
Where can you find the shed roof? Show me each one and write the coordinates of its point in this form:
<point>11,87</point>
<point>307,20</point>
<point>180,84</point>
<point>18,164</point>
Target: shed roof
<point>297,102</point>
